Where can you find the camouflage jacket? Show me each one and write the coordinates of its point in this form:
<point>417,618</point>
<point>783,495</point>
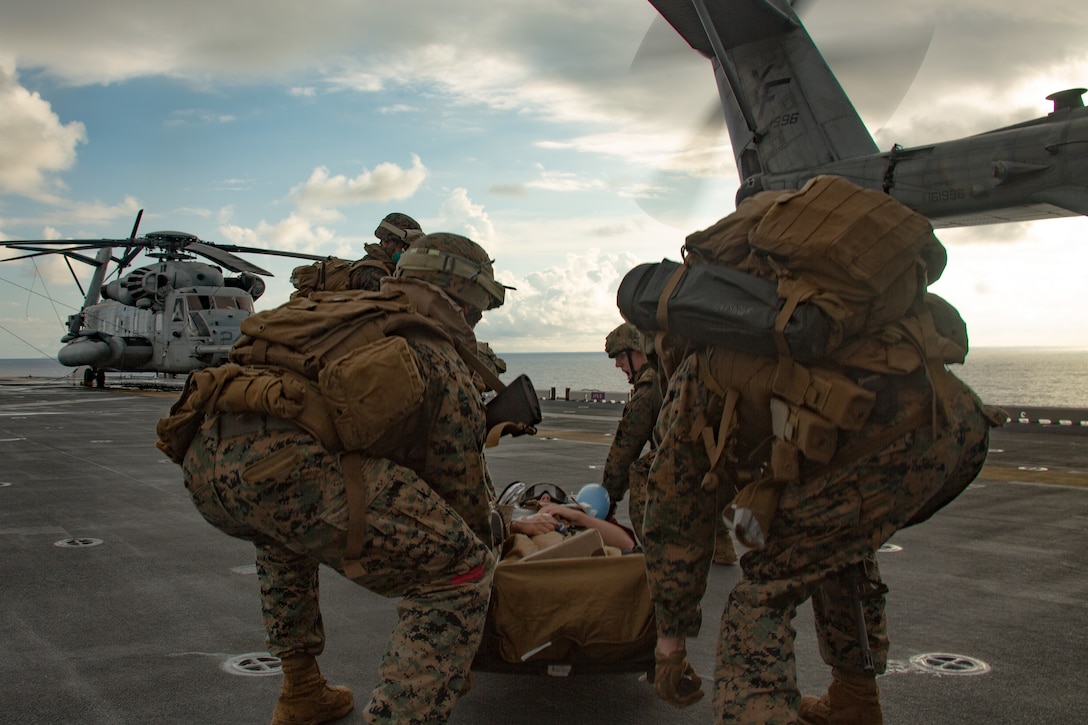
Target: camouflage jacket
<point>367,272</point>
<point>449,434</point>
<point>635,429</point>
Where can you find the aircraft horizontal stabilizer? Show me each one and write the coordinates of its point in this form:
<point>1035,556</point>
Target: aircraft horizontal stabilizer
<point>1071,198</point>
<point>736,23</point>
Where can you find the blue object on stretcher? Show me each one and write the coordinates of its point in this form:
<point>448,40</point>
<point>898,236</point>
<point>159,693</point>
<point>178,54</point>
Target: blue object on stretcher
<point>595,499</point>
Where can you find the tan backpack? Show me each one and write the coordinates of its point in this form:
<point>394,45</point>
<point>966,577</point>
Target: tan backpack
<point>860,257</point>
<point>335,363</point>
<point>328,275</point>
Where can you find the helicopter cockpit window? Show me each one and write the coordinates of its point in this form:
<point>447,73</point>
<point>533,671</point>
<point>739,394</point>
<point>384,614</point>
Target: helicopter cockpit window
<point>199,302</point>
<point>199,325</point>
<point>232,302</point>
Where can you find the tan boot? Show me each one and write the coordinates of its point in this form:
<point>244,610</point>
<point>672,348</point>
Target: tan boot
<point>852,698</point>
<point>306,698</point>
<point>815,710</point>
<point>724,553</point>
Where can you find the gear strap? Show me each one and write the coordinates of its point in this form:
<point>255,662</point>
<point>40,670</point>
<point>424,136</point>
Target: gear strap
<point>359,500</point>
<point>473,361</point>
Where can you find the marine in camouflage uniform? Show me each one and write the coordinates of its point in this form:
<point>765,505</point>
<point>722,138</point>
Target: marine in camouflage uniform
<point>626,467</point>
<point>821,539</point>
<point>395,233</point>
<point>427,510</point>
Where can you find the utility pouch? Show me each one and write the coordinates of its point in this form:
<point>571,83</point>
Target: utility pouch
<point>202,389</point>
<point>834,396</point>
<point>372,389</point>
<point>261,391</point>
<point>785,464</point>
<point>753,510</point>
<point>814,436</point>
<point>516,403</point>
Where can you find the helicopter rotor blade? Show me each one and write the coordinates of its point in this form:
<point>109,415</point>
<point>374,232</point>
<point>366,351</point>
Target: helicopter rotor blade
<point>136,226</point>
<point>174,245</point>
<point>225,258</point>
<point>70,253</point>
<point>270,252</point>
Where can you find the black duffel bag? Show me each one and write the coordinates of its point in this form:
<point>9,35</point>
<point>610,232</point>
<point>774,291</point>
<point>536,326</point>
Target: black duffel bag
<point>714,305</point>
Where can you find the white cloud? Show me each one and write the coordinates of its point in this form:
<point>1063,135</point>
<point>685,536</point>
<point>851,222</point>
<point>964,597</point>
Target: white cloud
<point>322,194</point>
<point>561,307</point>
<point>34,143</point>
<point>461,216</point>
<point>296,233</point>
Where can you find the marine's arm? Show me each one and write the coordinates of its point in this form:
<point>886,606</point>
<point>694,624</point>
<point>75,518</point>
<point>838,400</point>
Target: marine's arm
<point>632,433</point>
<point>453,463</point>
<point>366,276</point>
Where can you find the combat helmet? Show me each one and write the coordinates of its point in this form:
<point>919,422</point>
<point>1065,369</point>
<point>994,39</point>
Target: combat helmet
<point>398,227</point>
<point>458,265</point>
<point>623,338</point>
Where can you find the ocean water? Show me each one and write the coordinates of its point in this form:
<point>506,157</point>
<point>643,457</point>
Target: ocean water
<point>1001,375</point>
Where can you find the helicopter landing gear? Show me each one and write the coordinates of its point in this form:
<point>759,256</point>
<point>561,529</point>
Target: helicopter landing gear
<point>92,377</point>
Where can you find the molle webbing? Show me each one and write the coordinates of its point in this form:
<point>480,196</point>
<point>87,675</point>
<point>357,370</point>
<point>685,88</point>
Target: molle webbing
<point>280,393</point>
<point>833,395</point>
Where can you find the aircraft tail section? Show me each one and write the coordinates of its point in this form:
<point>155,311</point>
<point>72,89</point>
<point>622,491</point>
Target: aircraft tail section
<point>784,108</point>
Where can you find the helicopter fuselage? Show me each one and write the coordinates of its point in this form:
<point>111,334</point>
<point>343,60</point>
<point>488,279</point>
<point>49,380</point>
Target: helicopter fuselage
<point>1035,170</point>
<point>195,327</point>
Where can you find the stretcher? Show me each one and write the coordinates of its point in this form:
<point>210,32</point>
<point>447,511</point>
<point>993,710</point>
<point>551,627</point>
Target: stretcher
<point>569,609</point>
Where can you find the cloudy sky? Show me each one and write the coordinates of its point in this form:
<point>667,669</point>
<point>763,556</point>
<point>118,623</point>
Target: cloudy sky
<point>524,125</point>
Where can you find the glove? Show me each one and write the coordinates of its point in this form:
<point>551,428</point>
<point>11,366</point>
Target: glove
<point>675,680</point>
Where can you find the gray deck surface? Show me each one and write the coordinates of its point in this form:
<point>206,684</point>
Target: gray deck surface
<point>137,629</point>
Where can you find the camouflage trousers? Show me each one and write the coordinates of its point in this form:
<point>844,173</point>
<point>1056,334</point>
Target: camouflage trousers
<point>824,529</point>
<point>638,475</point>
<point>281,490</point>
<point>825,532</point>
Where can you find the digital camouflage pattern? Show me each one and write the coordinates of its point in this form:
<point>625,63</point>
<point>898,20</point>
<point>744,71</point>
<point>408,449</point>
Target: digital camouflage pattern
<point>401,221</point>
<point>627,466</point>
<point>367,273</point>
<point>458,265</point>
<point>824,524</point>
<point>280,489</point>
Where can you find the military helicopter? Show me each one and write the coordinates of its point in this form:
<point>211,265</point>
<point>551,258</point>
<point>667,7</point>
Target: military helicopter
<point>789,120</point>
<point>173,316</point>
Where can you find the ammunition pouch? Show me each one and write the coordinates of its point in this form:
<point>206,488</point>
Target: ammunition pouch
<point>832,395</point>
<point>813,435</point>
